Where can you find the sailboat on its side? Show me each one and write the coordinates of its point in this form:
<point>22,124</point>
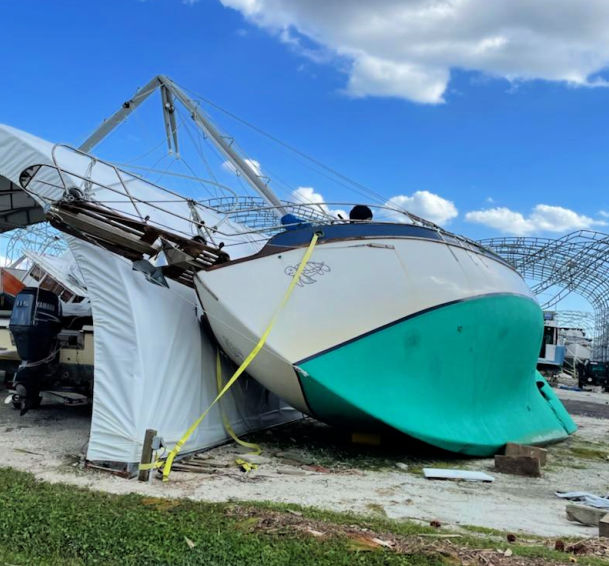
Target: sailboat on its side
<point>393,324</point>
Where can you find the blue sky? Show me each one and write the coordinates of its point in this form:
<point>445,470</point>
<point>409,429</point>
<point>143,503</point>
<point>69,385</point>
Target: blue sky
<point>70,63</point>
<point>510,132</point>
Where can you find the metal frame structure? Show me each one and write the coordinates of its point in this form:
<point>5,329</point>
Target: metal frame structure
<point>40,238</point>
<point>169,93</point>
<point>574,263</point>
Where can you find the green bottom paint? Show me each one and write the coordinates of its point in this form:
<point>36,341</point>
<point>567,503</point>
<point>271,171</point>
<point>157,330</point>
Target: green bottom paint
<point>461,377</point>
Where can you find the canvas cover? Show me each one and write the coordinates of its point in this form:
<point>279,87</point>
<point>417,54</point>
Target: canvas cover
<point>154,367</point>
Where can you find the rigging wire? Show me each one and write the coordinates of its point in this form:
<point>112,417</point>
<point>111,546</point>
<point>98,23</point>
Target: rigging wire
<point>354,185</point>
<point>203,158</point>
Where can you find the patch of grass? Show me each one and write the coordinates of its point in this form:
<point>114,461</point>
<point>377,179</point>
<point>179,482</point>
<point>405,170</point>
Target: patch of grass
<point>9,558</point>
<point>376,509</point>
<point>573,450</point>
<point>373,523</point>
<point>589,453</point>
<point>483,530</point>
<point>570,463</point>
<point>43,523</point>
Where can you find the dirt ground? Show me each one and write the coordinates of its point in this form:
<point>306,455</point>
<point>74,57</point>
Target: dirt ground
<point>310,464</point>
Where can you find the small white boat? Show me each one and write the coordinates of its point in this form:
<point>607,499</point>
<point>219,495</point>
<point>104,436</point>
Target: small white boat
<point>67,365</point>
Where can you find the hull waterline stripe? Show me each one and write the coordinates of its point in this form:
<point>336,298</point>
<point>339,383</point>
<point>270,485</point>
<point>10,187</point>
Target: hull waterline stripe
<point>171,456</point>
<point>412,315</point>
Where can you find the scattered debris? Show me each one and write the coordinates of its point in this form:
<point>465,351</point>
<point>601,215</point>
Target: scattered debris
<point>385,543</point>
<point>245,466</point>
<point>296,456</point>
<point>586,498</point>
<point>440,535</point>
<point>462,475</point>
<point>588,547</point>
<point>255,459</point>
<point>314,532</point>
<point>24,451</point>
<point>444,547</point>
<point>292,472</point>
<point>577,547</point>
<point>190,543</point>
<point>318,469</point>
<point>360,543</point>
<point>402,466</point>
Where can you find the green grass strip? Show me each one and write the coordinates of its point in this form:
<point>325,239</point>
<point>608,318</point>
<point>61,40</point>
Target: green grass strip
<point>43,523</point>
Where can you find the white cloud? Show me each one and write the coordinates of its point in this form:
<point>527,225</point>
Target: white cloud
<point>425,204</point>
<point>407,48</point>
<point>308,195</point>
<point>252,163</point>
<point>374,76</point>
<point>543,218</point>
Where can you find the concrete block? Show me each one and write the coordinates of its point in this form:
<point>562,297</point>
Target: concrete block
<point>603,526</point>
<point>518,465</point>
<point>513,449</point>
<point>585,515</point>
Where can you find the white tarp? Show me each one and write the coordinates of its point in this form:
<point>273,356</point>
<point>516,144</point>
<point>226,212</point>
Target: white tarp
<point>154,368</point>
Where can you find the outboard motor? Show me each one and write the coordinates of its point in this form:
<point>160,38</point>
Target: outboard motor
<point>35,323</point>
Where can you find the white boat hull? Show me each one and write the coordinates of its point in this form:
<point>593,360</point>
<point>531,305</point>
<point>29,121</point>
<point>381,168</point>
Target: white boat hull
<point>348,288</point>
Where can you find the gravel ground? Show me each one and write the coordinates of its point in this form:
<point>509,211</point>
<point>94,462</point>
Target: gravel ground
<point>589,403</point>
<point>316,470</point>
<point>588,409</point>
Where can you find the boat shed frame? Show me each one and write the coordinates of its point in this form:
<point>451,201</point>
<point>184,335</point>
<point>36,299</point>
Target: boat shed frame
<point>577,262</point>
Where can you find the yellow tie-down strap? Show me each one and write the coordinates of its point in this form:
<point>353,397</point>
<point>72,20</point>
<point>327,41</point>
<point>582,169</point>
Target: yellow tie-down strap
<point>176,449</point>
<point>225,421</point>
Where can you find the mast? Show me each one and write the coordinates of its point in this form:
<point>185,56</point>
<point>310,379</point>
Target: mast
<point>119,116</point>
<point>168,90</point>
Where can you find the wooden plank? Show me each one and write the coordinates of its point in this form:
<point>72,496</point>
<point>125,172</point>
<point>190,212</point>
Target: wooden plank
<point>459,475</point>
<point>513,449</point>
<point>192,469</point>
<point>518,465</point>
<point>146,458</point>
